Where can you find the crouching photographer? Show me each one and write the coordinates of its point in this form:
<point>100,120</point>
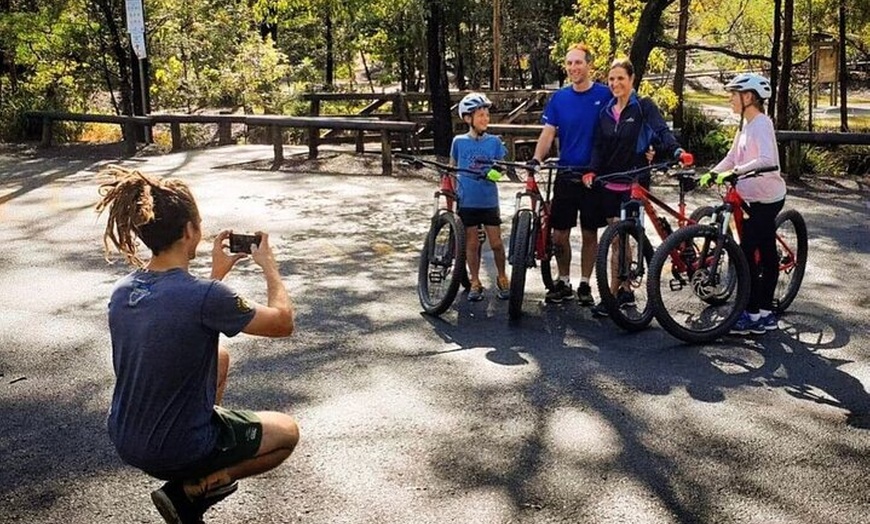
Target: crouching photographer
<point>165,417</point>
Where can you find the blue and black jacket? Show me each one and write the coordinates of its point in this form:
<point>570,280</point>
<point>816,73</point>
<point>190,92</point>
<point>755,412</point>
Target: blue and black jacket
<point>621,146</point>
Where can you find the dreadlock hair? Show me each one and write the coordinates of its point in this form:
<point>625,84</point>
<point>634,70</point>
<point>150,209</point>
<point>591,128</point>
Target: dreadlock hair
<point>153,209</point>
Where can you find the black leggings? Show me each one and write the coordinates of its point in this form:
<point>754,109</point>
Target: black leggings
<point>759,234</point>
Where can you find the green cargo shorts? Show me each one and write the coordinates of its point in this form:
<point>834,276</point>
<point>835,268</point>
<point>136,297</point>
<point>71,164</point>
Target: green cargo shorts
<point>239,439</point>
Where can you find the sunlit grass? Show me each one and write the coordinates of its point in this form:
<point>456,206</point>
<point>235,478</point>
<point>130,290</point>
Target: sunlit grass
<point>706,98</point>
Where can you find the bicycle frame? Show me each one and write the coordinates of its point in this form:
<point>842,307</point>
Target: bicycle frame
<point>540,205</point>
<point>641,197</point>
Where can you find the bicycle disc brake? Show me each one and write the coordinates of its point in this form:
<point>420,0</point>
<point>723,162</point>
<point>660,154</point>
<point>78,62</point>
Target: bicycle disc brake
<point>704,284</point>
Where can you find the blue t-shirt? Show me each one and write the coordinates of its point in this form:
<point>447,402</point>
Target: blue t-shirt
<point>476,154</point>
<point>165,328</point>
<point>575,114</point>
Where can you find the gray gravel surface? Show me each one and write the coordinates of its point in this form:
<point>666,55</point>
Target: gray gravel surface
<point>409,419</point>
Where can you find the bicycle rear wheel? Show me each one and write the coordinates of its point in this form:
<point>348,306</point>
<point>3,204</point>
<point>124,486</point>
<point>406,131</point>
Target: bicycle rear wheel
<point>637,313</point>
<point>683,278</point>
<point>521,248</point>
<point>791,249</point>
<point>442,264</point>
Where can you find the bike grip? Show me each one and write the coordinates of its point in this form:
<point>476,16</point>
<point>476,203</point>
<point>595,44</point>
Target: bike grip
<point>493,175</point>
<point>588,178</point>
<point>687,159</point>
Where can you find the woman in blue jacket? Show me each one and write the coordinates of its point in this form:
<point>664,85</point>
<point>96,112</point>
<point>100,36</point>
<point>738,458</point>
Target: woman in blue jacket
<point>630,131</point>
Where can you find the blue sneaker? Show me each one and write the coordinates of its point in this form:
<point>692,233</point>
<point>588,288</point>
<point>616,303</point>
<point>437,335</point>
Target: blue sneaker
<point>746,326</point>
<point>475,294</point>
<point>769,322</point>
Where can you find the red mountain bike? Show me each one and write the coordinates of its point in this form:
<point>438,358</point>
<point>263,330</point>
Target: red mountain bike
<point>699,278</point>
<point>531,239</point>
<point>441,269</point>
<point>625,251</point>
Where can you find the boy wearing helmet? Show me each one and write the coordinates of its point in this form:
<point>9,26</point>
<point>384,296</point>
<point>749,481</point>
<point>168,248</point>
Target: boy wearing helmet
<point>474,152</point>
<point>755,147</point>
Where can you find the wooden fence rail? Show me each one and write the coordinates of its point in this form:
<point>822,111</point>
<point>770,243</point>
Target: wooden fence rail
<point>520,139</point>
<point>275,123</point>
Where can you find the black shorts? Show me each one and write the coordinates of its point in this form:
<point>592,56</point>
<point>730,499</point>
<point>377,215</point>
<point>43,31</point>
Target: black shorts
<point>568,196</point>
<point>600,204</point>
<point>475,216</point>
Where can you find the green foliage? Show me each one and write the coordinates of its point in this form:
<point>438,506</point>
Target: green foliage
<point>835,160</point>
<point>704,136</point>
<point>588,25</point>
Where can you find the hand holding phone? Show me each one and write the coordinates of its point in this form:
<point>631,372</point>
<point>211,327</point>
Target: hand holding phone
<point>242,243</point>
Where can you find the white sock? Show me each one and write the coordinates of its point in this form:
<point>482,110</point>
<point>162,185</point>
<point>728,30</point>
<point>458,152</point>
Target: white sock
<point>584,280</point>
<point>754,316</point>
<point>764,312</point>
<point>566,280</point>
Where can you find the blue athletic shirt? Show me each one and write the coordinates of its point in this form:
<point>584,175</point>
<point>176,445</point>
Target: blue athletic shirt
<point>476,154</point>
<point>165,327</point>
<point>575,114</point>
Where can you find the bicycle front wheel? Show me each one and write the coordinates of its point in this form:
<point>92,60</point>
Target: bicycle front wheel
<point>521,248</point>
<point>693,265</point>
<point>619,264</point>
<point>442,264</point>
<point>549,268</point>
<point>791,249</point>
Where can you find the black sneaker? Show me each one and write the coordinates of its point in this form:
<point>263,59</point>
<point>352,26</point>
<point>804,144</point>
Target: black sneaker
<point>598,310</point>
<point>174,506</point>
<point>561,291</point>
<point>625,298</point>
<point>584,294</point>
<point>210,498</point>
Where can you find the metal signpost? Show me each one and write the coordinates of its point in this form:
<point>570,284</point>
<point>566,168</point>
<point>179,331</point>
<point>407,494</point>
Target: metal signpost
<point>136,29</point>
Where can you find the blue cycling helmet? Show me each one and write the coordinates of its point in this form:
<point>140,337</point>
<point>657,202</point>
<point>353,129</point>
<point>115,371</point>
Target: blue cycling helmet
<point>472,102</point>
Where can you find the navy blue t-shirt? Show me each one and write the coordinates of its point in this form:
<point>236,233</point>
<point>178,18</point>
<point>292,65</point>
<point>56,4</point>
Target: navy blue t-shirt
<point>575,114</point>
<point>165,328</point>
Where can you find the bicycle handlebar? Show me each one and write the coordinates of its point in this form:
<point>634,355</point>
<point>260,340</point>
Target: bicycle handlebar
<point>633,174</point>
<point>733,178</point>
<point>417,163</point>
<point>548,165</point>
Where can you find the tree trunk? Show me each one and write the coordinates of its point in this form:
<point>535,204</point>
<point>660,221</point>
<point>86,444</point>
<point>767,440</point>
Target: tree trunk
<point>611,28</point>
<point>105,8</point>
<point>844,77</point>
<point>460,59</point>
<point>436,77</point>
<point>774,56</point>
<point>646,36</point>
<point>330,53</point>
<point>785,77</point>
<point>680,73</point>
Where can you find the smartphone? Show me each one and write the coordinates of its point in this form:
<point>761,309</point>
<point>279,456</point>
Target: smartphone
<point>242,243</point>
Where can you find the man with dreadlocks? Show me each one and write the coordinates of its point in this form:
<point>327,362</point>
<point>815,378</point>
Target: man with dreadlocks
<point>165,417</point>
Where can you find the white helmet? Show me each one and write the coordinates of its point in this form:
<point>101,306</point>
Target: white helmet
<point>472,101</point>
<point>750,82</point>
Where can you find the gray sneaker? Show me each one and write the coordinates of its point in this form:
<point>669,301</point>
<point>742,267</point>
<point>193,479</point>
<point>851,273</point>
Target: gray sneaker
<point>584,294</point>
<point>561,291</point>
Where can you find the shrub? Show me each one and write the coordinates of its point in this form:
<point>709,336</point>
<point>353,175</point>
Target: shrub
<point>704,136</point>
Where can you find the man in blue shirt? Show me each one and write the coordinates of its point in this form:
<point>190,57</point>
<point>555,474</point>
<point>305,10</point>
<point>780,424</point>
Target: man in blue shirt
<point>572,115</point>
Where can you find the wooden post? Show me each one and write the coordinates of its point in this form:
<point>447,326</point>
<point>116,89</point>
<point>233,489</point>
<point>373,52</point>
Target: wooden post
<point>313,139</point>
<point>46,132</point>
<point>386,153</point>
<point>225,133</point>
<point>401,112</point>
<point>175,131</point>
<point>277,145</point>
<point>360,141</point>
<point>130,138</point>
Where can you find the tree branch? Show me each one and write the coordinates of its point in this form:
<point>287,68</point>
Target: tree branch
<point>713,49</point>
